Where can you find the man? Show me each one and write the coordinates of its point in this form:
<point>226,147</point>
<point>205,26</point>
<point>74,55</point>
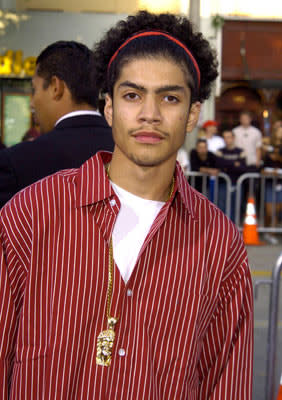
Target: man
<point>118,279</point>
<point>204,161</point>
<point>214,141</point>
<point>64,101</point>
<point>232,161</point>
<point>249,138</point>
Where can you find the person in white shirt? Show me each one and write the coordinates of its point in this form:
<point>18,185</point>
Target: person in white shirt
<point>249,138</point>
<point>214,141</point>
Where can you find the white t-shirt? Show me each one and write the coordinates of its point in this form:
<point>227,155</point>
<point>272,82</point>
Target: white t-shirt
<point>248,139</point>
<point>133,223</point>
<point>215,143</point>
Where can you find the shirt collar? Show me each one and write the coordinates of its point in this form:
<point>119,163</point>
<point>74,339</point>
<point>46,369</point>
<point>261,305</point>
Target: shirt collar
<point>185,191</point>
<point>77,113</point>
<point>93,184</point>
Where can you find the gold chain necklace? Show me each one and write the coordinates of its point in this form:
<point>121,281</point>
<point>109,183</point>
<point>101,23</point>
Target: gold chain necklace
<point>105,340</point>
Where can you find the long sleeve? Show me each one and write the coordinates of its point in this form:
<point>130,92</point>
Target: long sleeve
<point>226,361</point>
<point>8,326</point>
<point>12,285</point>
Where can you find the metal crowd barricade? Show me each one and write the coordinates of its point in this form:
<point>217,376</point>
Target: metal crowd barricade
<point>254,184</point>
<point>210,187</point>
<point>274,282</point>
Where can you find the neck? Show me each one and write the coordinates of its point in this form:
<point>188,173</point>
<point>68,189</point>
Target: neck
<point>152,183</point>
<point>230,147</point>
<point>77,107</point>
<point>82,107</point>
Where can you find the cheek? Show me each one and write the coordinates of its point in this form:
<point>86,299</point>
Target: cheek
<point>121,119</point>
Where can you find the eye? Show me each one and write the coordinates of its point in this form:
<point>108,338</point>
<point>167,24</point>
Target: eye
<point>171,99</point>
<point>131,96</point>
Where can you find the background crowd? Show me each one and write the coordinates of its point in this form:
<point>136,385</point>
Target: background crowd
<point>236,151</point>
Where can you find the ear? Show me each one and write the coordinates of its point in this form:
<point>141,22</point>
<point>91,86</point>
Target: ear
<point>108,109</point>
<point>193,116</point>
<point>57,87</point>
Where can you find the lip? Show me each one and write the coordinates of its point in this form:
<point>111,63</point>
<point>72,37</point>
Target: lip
<point>148,137</point>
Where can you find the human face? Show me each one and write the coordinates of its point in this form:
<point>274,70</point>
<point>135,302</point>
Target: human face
<point>245,120</point>
<point>149,111</point>
<point>41,104</point>
<point>202,149</point>
<point>228,138</point>
<point>211,131</point>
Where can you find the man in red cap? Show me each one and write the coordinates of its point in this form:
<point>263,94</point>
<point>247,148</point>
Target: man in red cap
<point>214,141</point>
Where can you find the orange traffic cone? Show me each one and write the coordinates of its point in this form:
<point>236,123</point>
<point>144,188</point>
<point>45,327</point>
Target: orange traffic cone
<point>279,396</point>
<point>250,233</point>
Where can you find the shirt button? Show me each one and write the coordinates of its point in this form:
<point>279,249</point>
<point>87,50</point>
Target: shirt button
<point>113,202</point>
<point>129,292</point>
<point>121,352</point>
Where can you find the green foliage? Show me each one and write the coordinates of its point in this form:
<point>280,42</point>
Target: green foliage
<point>217,21</point>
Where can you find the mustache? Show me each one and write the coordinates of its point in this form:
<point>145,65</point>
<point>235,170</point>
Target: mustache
<point>147,128</point>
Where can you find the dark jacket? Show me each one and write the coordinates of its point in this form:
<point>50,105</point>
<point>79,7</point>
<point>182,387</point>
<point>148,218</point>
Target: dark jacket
<point>68,145</point>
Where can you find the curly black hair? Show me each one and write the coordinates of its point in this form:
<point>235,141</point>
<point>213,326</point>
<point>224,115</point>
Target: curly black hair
<point>177,26</point>
<point>73,63</point>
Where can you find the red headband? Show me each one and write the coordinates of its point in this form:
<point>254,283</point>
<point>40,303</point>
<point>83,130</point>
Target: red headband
<point>157,33</point>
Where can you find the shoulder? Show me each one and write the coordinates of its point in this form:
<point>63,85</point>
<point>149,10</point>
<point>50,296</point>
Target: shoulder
<point>95,121</point>
<point>237,129</point>
<point>240,151</point>
<point>23,149</point>
<point>256,131</point>
<point>211,155</point>
<point>209,215</point>
<point>47,192</point>
<point>219,234</point>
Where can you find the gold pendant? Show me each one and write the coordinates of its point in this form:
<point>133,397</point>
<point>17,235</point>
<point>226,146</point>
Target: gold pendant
<point>105,343</point>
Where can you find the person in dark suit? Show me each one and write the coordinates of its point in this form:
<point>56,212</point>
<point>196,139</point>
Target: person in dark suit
<point>64,102</point>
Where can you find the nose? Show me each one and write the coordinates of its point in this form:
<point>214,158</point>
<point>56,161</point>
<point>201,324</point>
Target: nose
<point>150,110</point>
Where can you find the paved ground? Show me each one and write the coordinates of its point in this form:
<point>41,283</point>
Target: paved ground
<point>262,260</point>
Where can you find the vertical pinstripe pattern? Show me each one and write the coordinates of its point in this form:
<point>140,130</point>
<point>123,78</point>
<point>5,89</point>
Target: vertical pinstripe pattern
<point>186,328</point>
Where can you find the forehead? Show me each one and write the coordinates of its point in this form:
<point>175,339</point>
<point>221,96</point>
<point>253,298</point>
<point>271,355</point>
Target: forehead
<point>245,116</point>
<point>153,71</point>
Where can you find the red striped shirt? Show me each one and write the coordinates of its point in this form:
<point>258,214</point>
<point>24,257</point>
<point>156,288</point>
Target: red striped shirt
<point>186,324</point>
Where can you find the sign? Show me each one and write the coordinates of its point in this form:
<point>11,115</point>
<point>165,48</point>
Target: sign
<point>13,64</point>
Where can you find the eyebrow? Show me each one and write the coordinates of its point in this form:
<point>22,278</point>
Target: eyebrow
<point>162,89</point>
